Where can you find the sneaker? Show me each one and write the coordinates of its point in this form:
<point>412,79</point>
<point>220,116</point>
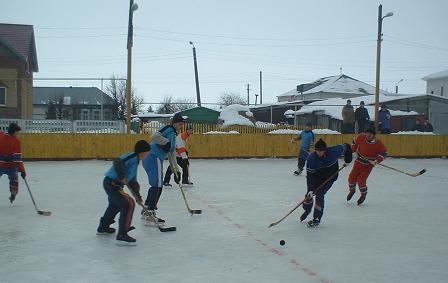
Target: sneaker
<point>298,172</point>
<point>12,198</point>
<point>105,230</point>
<point>187,183</point>
<point>361,199</point>
<point>150,215</point>
<point>167,184</point>
<point>125,239</point>
<point>313,223</point>
<point>350,195</point>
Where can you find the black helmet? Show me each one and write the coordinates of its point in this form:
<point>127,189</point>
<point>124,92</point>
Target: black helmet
<point>13,128</point>
<point>320,145</point>
<point>142,146</point>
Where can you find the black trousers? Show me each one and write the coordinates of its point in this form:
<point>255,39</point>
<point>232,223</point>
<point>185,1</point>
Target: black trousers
<point>119,201</point>
<point>183,163</point>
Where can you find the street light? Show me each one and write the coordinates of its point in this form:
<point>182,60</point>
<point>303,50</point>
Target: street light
<point>132,8</point>
<point>396,85</point>
<point>198,94</point>
<point>378,55</point>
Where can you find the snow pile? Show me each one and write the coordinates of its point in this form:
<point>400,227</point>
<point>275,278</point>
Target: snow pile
<point>296,132</point>
<point>413,133</point>
<point>221,133</point>
<point>265,125</point>
<point>230,115</point>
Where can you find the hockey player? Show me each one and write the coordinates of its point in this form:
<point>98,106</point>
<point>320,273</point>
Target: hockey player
<point>371,151</point>
<point>182,159</point>
<point>322,165</point>
<point>11,159</point>
<point>123,172</point>
<point>163,142</point>
<point>307,137</point>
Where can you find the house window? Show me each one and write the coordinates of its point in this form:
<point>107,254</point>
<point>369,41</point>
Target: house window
<point>106,115</point>
<point>2,96</point>
<point>85,114</point>
<point>96,114</point>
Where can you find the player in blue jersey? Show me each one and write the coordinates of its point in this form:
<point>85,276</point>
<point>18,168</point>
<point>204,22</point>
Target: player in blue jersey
<point>322,165</point>
<point>307,137</point>
<point>162,142</point>
<point>123,172</point>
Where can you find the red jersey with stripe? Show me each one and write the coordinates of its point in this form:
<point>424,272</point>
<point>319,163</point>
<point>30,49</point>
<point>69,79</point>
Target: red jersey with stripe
<point>10,152</point>
<point>371,150</point>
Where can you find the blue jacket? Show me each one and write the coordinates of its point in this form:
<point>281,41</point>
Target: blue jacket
<point>167,132</point>
<point>320,169</point>
<point>124,166</point>
<point>384,119</point>
<point>307,138</point>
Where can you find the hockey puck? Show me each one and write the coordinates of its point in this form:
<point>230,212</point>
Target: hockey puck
<point>282,242</point>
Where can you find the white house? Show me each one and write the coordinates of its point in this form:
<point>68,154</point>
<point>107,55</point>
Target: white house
<point>340,86</point>
<point>437,83</point>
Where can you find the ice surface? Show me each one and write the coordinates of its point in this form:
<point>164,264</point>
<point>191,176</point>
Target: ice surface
<point>399,235</point>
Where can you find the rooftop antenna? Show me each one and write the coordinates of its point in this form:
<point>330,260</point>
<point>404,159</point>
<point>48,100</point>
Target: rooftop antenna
<point>340,70</point>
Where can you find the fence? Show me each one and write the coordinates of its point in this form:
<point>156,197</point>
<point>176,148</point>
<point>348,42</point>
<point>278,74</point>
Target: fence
<point>65,126</point>
<point>260,128</point>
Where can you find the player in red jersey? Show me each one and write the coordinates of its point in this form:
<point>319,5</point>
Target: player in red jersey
<point>371,151</point>
<point>11,159</point>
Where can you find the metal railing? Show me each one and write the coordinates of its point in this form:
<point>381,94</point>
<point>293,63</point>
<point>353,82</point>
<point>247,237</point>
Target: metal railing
<point>66,126</point>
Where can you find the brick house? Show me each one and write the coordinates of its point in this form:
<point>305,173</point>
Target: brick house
<point>18,62</point>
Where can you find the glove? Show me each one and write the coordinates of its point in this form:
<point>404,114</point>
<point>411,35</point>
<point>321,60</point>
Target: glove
<point>309,195</point>
<point>23,175</point>
<point>177,177</point>
<point>166,147</point>
<point>348,156</point>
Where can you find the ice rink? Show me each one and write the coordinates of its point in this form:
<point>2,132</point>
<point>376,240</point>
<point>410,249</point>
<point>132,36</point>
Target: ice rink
<point>400,234</point>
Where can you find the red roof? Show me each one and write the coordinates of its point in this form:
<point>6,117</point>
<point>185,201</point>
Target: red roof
<point>20,40</point>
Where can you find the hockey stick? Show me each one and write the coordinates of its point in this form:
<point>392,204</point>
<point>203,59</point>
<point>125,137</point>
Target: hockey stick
<point>407,173</point>
<point>315,191</point>
<point>41,212</point>
<point>175,171</point>
<point>395,169</point>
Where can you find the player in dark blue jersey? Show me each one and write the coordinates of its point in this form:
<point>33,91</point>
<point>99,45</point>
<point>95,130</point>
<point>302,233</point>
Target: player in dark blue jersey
<point>322,165</point>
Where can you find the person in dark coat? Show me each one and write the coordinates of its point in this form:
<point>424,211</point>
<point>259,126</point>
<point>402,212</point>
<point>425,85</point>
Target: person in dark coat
<point>362,117</point>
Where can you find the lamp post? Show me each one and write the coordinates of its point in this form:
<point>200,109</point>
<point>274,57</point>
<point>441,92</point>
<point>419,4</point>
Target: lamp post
<point>132,8</point>
<point>396,85</point>
<point>378,55</point>
<point>198,94</point>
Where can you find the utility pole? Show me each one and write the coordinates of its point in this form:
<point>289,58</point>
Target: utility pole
<point>132,8</point>
<point>261,88</point>
<point>256,97</point>
<point>378,60</point>
<point>248,94</point>
<point>196,76</point>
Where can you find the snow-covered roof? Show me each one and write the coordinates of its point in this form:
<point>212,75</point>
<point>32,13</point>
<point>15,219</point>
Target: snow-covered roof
<point>335,84</point>
<point>438,75</point>
<point>154,115</point>
<point>230,115</point>
<point>333,106</point>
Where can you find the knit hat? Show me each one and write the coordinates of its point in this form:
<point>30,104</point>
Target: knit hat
<point>371,129</point>
<point>320,145</point>
<point>178,118</point>
<point>13,128</point>
<point>142,146</point>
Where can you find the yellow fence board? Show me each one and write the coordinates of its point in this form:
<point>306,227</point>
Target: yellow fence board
<point>91,146</point>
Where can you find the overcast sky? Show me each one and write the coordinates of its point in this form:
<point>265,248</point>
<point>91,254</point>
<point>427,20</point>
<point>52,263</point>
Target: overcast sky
<point>291,41</point>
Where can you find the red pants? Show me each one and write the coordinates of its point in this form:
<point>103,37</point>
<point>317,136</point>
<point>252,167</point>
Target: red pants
<point>359,174</point>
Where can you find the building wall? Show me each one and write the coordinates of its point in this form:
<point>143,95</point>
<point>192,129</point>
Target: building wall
<point>438,116</point>
<point>8,78</point>
<point>14,73</point>
<point>435,87</point>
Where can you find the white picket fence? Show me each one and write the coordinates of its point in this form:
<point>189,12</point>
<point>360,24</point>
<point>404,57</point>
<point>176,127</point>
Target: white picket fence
<point>65,126</point>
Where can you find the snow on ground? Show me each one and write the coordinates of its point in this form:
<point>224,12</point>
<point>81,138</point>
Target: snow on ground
<point>230,115</point>
<point>412,133</point>
<point>221,133</point>
<point>399,235</point>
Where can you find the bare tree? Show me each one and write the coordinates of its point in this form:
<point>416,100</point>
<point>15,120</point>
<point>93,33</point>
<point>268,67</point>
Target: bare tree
<point>229,98</point>
<point>117,90</point>
<point>170,105</point>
